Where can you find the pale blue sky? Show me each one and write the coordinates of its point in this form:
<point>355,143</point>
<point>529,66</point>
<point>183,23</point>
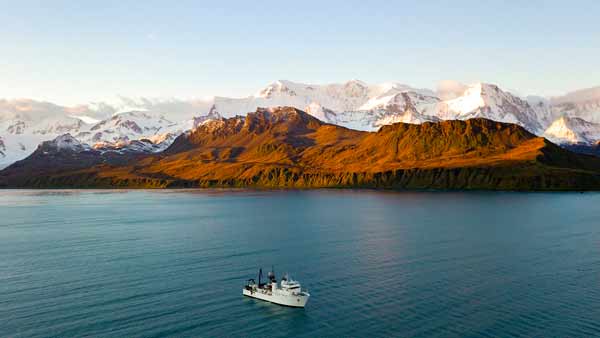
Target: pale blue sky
<point>78,51</point>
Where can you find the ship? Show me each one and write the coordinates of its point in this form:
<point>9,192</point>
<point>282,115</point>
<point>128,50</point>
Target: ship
<point>288,292</point>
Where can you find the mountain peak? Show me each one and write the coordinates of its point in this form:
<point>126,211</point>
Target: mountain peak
<point>573,130</point>
<point>64,142</point>
<point>353,104</point>
<point>489,101</point>
<point>277,87</point>
<point>277,111</point>
<point>265,118</point>
<point>261,120</point>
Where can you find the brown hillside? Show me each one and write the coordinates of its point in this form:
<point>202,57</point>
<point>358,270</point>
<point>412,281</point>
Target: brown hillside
<point>285,147</point>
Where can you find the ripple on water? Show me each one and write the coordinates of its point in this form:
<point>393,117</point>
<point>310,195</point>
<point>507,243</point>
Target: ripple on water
<point>172,263</point>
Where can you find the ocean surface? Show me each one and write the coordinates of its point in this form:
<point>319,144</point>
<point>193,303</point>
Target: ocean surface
<point>173,263</point>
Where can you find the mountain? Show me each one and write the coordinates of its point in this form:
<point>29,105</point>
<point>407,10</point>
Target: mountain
<point>64,143</point>
<point>126,130</point>
<point>347,96</point>
<point>367,107</point>
<point>584,104</point>
<point>353,104</point>
<point>573,130</point>
<point>62,154</point>
<point>489,101</point>
<point>287,148</point>
<point>575,134</point>
<point>24,124</point>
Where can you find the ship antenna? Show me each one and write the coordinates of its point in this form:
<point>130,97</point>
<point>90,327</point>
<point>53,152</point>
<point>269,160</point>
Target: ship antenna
<point>259,276</point>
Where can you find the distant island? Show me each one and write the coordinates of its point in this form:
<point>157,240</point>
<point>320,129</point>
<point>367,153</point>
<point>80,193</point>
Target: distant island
<point>285,147</point>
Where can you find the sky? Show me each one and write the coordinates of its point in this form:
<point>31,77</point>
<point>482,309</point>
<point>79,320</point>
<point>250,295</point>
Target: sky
<point>71,52</point>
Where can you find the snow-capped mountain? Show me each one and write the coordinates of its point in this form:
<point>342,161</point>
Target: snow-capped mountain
<point>349,96</point>
<point>583,103</point>
<point>152,125</point>
<point>353,104</point>
<point>489,101</point>
<point>122,128</point>
<point>64,142</point>
<point>22,134</point>
<point>138,131</point>
<point>573,130</point>
<point>575,118</point>
<point>357,105</point>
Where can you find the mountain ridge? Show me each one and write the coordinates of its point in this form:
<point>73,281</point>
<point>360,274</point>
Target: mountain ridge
<point>354,104</point>
<point>285,147</point>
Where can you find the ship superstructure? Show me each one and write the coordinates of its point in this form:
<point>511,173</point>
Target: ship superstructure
<point>288,292</point>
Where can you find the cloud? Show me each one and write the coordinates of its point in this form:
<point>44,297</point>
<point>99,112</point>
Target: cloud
<point>32,110</point>
<point>450,89</point>
<point>27,109</point>
<point>93,109</point>
<point>582,95</point>
<point>173,107</point>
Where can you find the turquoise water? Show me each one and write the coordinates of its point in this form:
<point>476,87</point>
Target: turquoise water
<point>172,263</point>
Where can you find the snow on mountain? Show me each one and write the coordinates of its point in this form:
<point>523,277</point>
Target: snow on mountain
<point>21,134</point>
<point>86,119</point>
<point>573,130</point>
<point>357,105</point>
<point>348,96</point>
<point>489,101</point>
<point>353,104</point>
<point>408,116</point>
<point>139,131</point>
<point>583,103</point>
<point>407,106</point>
<point>403,101</point>
<point>127,126</point>
<point>64,142</point>
<point>151,125</point>
<point>24,124</point>
<point>135,146</point>
<point>320,112</point>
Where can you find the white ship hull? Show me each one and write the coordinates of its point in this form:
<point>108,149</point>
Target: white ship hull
<point>278,298</point>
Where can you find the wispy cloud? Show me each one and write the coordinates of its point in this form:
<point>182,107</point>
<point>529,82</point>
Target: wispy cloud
<point>32,110</point>
<point>450,89</point>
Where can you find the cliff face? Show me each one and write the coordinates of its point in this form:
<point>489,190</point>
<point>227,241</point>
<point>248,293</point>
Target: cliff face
<point>287,148</point>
